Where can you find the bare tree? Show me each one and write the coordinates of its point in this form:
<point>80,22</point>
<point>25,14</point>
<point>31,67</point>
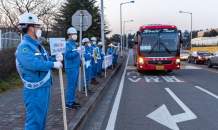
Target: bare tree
<point>12,9</point>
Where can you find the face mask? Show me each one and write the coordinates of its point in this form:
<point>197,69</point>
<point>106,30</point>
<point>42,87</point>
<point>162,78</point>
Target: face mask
<point>89,44</point>
<point>100,46</point>
<point>94,43</point>
<point>74,37</point>
<point>39,33</point>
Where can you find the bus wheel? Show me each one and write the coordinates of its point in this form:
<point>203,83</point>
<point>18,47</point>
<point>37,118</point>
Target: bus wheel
<point>169,71</point>
<point>139,71</point>
<point>209,64</point>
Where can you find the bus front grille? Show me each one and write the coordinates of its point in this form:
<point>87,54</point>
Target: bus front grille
<point>166,62</point>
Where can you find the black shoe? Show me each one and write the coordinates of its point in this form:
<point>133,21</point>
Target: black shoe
<point>88,91</point>
<point>76,104</point>
<point>70,107</point>
<point>100,75</point>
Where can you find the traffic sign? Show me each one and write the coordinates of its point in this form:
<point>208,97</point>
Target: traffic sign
<point>86,20</point>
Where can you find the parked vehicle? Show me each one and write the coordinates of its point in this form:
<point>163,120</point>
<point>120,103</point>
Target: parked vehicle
<point>213,59</point>
<point>199,57</point>
<point>184,54</point>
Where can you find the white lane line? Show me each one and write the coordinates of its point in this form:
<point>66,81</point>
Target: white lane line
<point>113,115</point>
<point>207,92</point>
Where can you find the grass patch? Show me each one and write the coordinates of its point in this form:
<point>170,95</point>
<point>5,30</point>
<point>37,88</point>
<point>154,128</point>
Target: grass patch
<point>13,81</point>
<point>10,82</point>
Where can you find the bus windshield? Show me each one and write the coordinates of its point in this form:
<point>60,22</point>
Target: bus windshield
<point>170,41</point>
<point>159,40</point>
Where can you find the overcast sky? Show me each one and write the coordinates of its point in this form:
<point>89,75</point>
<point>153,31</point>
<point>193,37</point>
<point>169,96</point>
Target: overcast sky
<point>162,11</point>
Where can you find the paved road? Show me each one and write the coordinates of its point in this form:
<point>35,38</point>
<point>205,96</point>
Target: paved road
<point>185,99</point>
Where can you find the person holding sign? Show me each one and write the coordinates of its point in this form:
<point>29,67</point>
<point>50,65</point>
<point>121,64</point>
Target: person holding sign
<point>72,64</point>
<point>116,55</point>
<point>113,55</point>
<point>100,61</point>
<point>88,67</point>
<point>34,65</point>
<point>93,62</point>
<point>109,52</point>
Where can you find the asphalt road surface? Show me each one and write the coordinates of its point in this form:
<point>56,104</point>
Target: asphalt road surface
<point>185,99</point>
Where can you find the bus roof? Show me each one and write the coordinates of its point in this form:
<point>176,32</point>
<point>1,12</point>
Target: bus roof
<point>153,26</point>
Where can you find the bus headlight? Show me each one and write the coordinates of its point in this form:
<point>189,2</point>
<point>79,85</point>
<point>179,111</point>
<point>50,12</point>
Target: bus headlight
<point>141,61</point>
<point>177,61</point>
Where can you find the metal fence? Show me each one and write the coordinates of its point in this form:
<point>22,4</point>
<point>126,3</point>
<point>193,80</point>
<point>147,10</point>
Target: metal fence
<point>12,37</point>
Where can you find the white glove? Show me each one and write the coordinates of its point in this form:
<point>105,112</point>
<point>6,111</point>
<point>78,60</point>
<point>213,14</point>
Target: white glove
<point>59,57</point>
<point>78,49</point>
<point>82,59</point>
<point>57,65</point>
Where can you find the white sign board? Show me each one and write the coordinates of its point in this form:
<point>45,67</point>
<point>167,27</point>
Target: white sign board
<point>57,45</point>
<point>83,50</point>
<point>108,61</point>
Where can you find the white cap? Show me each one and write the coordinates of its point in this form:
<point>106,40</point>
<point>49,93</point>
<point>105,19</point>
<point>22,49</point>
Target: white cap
<point>93,39</point>
<point>112,45</point>
<point>99,43</point>
<point>71,30</point>
<point>28,18</point>
<point>109,44</point>
<point>85,40</point>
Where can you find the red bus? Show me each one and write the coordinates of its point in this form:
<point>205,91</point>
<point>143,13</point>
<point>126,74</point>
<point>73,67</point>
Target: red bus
<point>157,47</point>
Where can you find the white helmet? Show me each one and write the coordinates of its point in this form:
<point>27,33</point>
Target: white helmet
<point>71,30</point>
<point>93,39</point>
<point>85,40</point>
<point>28,18</point>
<point>99,43</point>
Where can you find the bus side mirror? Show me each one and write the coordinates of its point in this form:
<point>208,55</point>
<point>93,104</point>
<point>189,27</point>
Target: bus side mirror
<point>136,37</point>
<point>180,36</point>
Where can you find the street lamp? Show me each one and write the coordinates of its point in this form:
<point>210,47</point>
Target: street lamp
<point>127,39</point>
<point>191,22</point>
<point>124,29</point>
<point>121,25</point>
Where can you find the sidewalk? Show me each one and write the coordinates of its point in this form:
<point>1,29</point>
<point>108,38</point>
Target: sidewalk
<point>13,109</point>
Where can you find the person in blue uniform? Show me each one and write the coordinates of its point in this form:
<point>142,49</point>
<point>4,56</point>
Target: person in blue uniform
<point>113,56</point>
<point>72,64</point>
<point>109,52</point>
<point>116,55</point>
<point>100,61</point>
<point>34,66</point>
<point>94,65</point>
<point>88,67</point>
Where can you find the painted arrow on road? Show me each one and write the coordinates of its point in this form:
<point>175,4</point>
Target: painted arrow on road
<point>134,80</point>
<point>163,116</point>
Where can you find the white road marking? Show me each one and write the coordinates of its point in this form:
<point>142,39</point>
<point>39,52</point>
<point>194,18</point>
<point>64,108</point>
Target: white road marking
<point>136,80</point>
<point>191,67</point>
<point>152,79</point>
<point>207,92</point>
<point>113,115</point>
<point>163,116</point>
<point>172,79</point>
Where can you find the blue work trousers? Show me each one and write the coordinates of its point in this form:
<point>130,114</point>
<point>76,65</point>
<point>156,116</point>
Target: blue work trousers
<point>88,75</point>
<point>72,80</point>
<point>94,69</point>
<point>37,104</point>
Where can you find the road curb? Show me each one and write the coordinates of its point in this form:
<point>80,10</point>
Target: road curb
<point>79,119</point>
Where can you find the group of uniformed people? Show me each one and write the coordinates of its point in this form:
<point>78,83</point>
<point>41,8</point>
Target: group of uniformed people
<point>34,66</point>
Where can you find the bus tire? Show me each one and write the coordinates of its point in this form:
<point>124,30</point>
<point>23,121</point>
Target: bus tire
<point>169,71</point>
<point>209,65</point>
<point>139,71</point>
